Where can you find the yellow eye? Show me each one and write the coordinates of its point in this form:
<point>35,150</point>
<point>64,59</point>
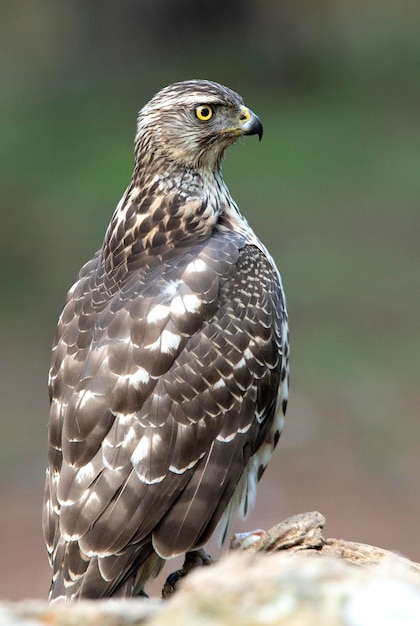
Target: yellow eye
<point>204,112</point>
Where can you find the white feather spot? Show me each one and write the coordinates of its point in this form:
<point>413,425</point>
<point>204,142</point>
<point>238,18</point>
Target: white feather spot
<point>141,458</point>
<point>192,303</point>
<point>129,436</point>
<point>227,438</point>
<point>285,389</point>
<point>151,481</point>
<point>196,266</point>
<point>158,313</point>
<point>185,304</point>
<point>73,578</point>
<point>140,376</point>
<point>101,554</point>
<point>181,470</point>
<point>92,500</point>
<point>134,193</point>
<point>168,342</point>
<point>219,384</point>
<point>124,418</point>
<point>67,502</point>
<point>178,306</point>
<point>142,451</point>
<point>240,364</point>
<point>248,354</point>
<point>68,537</point>
<point>85,473</point>
<point>263,455</point>
<point>171,289</point>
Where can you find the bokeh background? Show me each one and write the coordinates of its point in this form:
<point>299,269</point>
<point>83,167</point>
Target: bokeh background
<point>333,190</point>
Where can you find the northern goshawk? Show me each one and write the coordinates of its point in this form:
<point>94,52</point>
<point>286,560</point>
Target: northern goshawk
<point>169,374</point>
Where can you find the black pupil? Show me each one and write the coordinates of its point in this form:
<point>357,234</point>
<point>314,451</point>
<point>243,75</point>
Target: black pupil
<point>205,111</point>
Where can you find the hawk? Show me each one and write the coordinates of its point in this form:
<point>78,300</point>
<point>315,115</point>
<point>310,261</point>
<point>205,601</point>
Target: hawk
<point>169,374</point>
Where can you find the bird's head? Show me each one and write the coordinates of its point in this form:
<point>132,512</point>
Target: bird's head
<point>191,123</point>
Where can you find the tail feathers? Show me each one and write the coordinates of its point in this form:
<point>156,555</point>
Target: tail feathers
<point>120,575</point>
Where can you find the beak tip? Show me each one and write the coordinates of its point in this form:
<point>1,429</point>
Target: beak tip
<point>258,127</point>
<point>254,127</point>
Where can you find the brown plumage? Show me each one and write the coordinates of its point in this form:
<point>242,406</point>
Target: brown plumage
<point>168,380</point>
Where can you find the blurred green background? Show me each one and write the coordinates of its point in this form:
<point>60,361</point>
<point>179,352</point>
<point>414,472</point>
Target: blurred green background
<point>333,191</point>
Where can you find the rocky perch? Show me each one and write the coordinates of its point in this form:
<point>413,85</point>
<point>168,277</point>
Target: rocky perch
<point>289,575</point>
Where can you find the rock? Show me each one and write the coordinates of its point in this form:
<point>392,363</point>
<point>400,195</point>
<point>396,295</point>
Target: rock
<point>250,589</point>
<point>289,575</point>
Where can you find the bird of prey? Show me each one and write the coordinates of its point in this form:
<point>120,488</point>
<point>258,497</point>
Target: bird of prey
<point>169,375</point>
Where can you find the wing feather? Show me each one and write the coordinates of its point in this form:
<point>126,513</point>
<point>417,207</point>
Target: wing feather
<point>156,421</point>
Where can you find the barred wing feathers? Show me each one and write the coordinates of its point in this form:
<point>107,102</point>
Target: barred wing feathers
<point>162,389</point>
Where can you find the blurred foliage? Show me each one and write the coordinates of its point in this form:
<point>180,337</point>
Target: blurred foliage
<point>333,190</point>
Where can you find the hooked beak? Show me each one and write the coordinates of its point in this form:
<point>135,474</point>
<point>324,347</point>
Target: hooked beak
<point>249,123</point>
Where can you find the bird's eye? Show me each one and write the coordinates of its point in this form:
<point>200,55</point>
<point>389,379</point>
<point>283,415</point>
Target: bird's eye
<point>204,112</point>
